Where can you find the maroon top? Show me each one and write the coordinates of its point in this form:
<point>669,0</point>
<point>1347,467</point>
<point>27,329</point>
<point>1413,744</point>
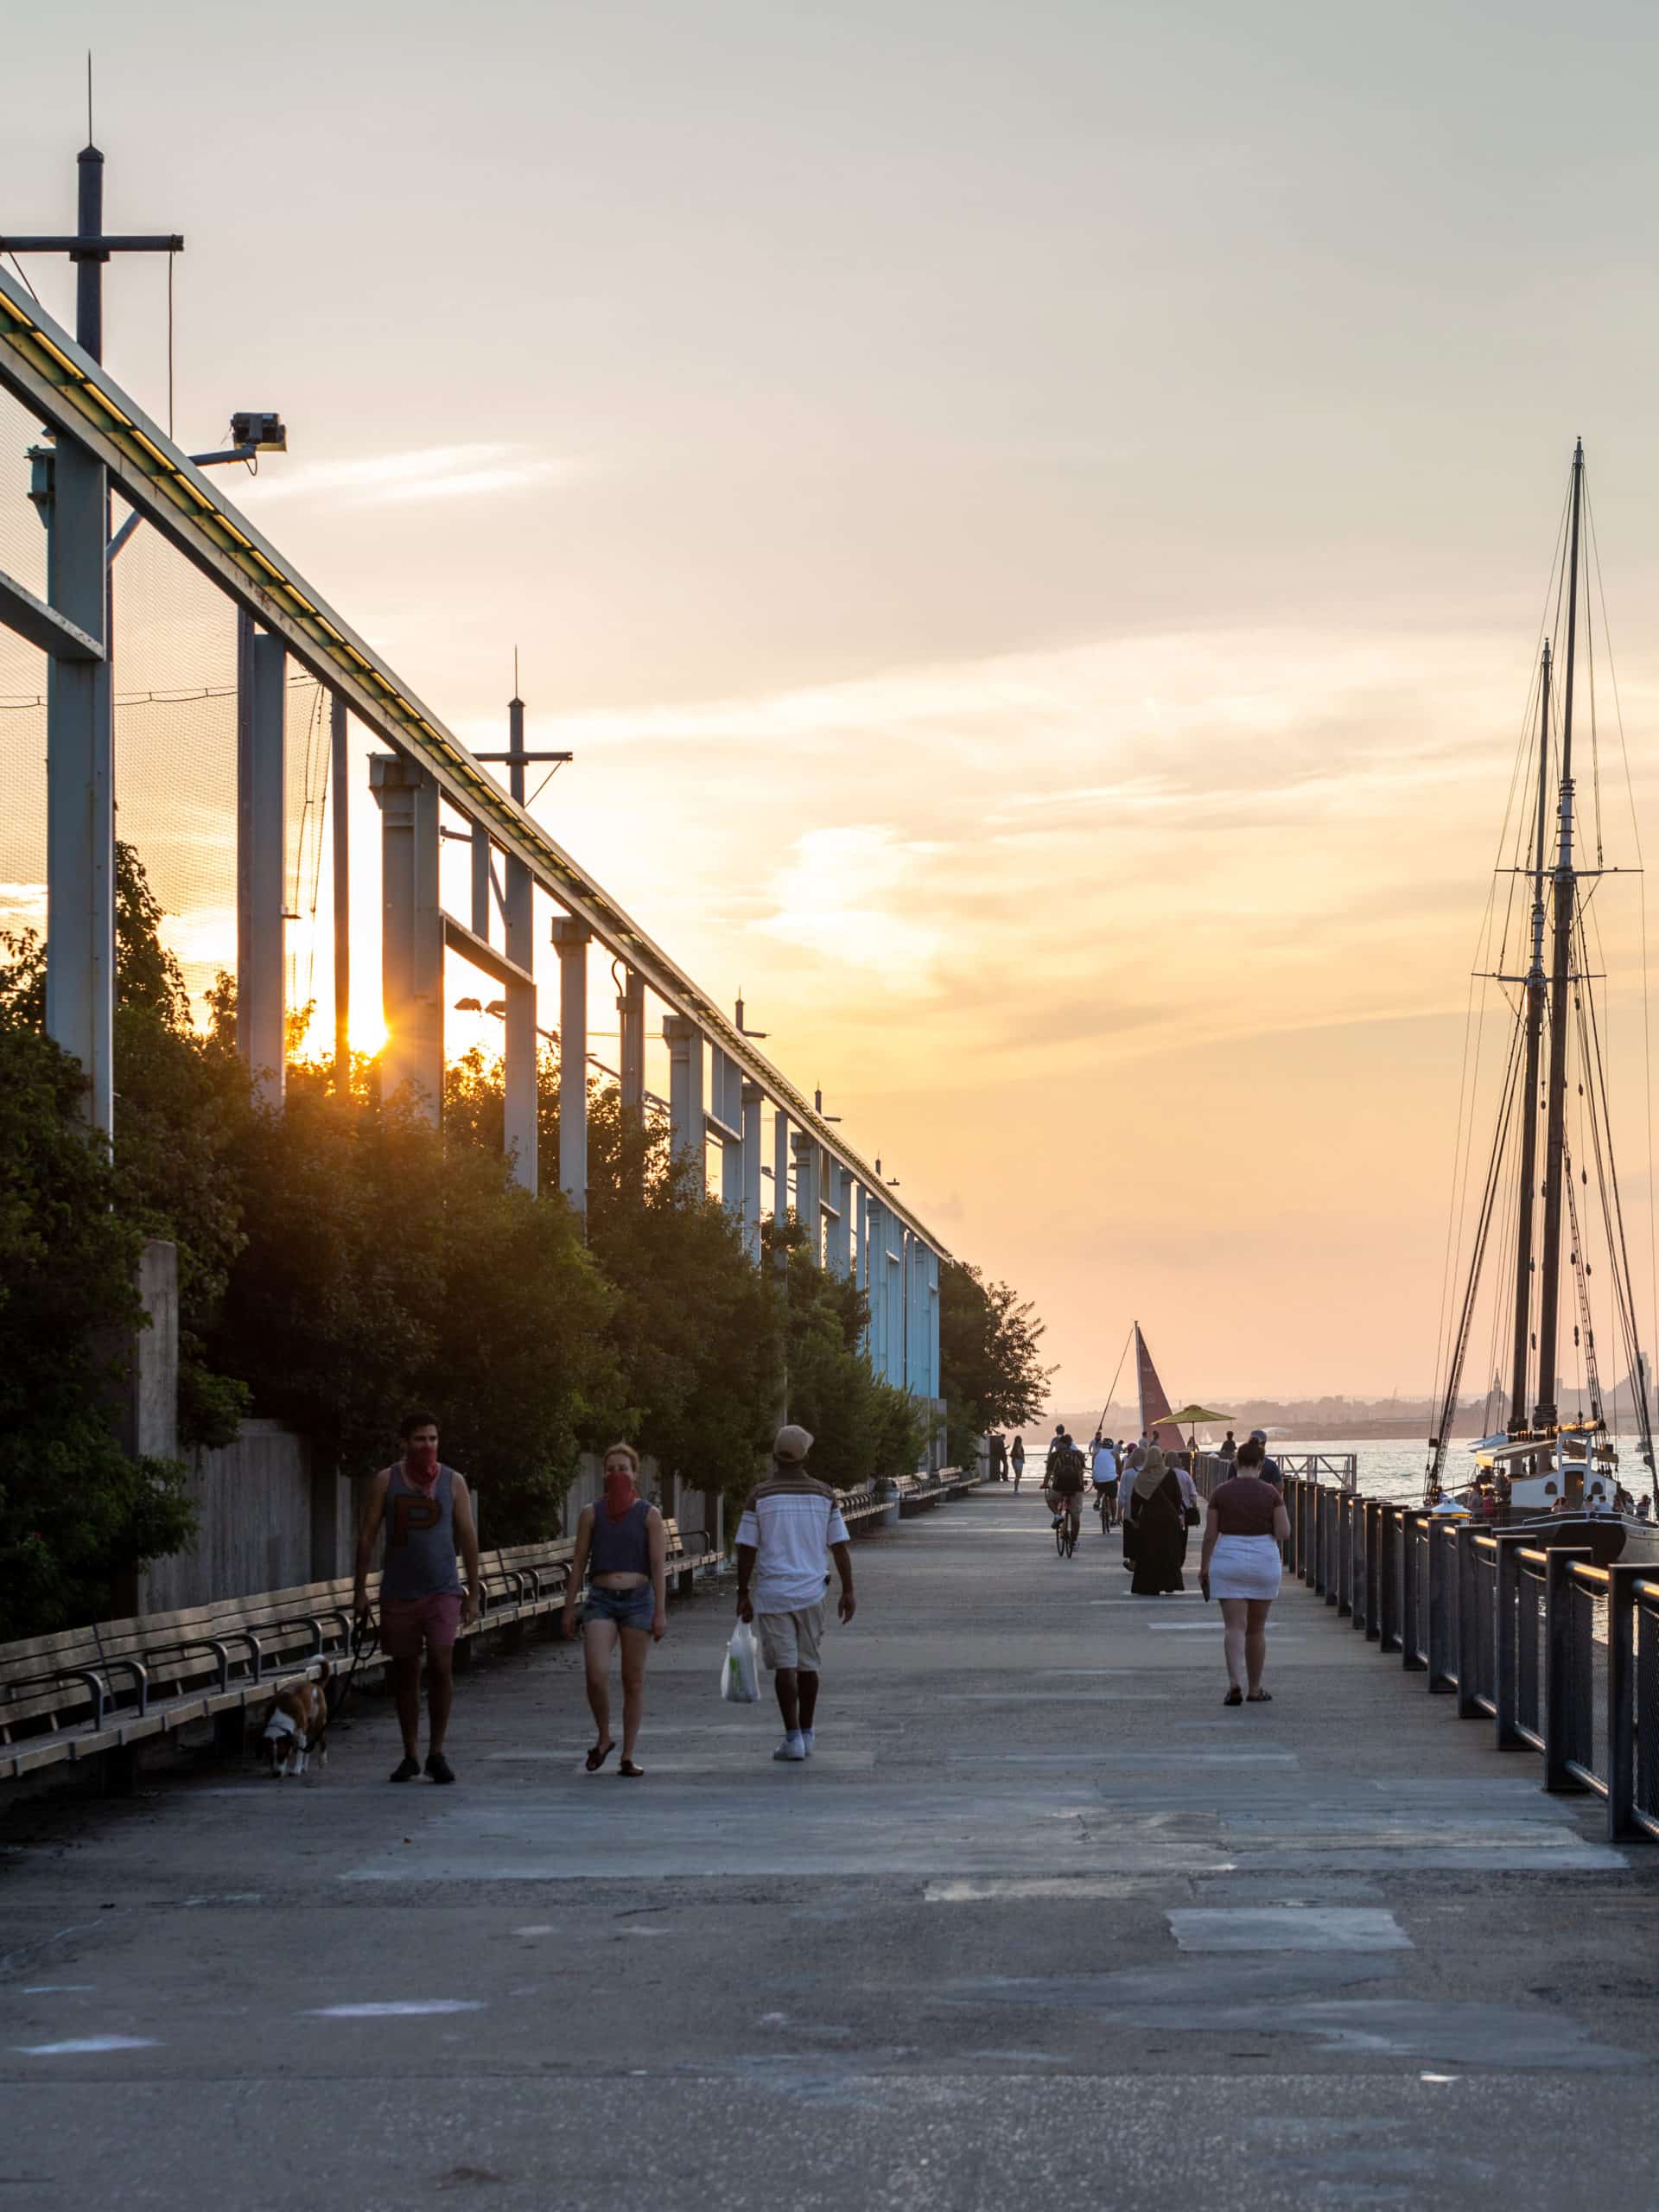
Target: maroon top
<point>1244,1505</point>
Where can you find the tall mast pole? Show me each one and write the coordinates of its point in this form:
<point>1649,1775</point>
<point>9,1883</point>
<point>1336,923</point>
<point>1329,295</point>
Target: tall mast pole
<point>1565,907</point>
<point>1537,998</point>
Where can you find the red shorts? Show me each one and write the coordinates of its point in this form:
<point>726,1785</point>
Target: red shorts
<point>407,1623</point>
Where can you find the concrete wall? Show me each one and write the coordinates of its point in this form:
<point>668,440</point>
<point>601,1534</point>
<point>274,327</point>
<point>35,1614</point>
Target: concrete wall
<point>264,1523</point>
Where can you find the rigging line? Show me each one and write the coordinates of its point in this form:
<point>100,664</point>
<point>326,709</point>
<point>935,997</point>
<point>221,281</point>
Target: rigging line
<point>1112,1392</point>
<point>1454,1374</point>
<point>1590,667</point>
<point>1593,548</point>
<point>1614,1215</point>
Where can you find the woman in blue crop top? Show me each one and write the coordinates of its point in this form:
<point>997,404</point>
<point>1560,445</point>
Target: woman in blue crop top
<point>622,1548</point>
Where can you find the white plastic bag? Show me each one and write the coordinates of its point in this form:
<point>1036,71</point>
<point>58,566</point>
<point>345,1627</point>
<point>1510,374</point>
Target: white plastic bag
<point>740,1668</point>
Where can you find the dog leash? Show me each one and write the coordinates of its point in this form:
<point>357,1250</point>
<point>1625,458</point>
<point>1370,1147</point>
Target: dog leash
<point>366,1639</point>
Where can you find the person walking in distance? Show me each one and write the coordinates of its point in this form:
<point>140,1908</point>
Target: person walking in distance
<point>790,1531</point>
<point>1017,1461</point>
<point>622,1546</point>
<point>426,1512</point>
<point>1244,1536</point>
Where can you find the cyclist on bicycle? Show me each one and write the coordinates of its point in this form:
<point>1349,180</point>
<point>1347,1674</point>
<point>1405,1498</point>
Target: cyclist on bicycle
<point>1104,1473</point>
<point>1065,1483</point>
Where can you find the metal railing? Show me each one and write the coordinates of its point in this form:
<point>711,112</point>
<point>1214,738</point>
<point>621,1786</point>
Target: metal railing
<point>1561,1655</point>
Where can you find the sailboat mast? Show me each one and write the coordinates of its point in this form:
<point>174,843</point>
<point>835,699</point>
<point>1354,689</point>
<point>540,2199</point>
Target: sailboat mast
<point>1537,997</point>
<point>1566,905</point>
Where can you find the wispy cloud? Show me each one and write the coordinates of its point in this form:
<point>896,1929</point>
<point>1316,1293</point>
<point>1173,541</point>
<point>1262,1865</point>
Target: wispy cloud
<point>393,480</point>
<point>854,894</point>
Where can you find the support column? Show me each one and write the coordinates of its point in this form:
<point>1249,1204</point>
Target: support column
<point>480,881</point>
<point>261,855</point>
<point>805,1149</point>
<point>931,1334</point>
<point>779,1167</point>
<point>749,1202</point>
<point>521,1115</point>
<point>339,771</point>
<point>892,1300</point>
<point>731,1177</point>
<point>411,933</point>
<point>80,783</point>
<point>685,1107</point>
<point>840,1257</point>
<point>630,1012</point>
<point>861,1252</point>
<point>572,939</point>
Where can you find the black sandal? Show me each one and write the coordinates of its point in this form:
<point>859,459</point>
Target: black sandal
<point>1235,1696</point>
<point>633,1772</point>
<point>598,1756</point>
<point>1260,1697</point>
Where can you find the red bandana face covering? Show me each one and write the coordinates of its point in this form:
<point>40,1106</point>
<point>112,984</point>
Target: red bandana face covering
<point>620,1494</point>
<point>420,1466</point>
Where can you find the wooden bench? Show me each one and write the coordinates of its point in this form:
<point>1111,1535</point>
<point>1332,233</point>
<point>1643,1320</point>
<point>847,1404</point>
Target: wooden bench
<point>89,1692</point>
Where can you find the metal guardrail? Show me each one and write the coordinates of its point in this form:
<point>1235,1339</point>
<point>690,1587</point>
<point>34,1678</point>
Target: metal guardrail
<point>1561,1655</point>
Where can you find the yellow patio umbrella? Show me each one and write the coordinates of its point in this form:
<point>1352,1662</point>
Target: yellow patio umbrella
<point>1189,1417</point>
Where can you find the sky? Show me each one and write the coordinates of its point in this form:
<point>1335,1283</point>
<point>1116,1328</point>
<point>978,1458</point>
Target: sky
<point>1032,521</point>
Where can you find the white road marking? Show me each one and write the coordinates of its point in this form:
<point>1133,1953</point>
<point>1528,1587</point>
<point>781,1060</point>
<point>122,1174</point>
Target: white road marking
<point>87,2046</point>
<point>409,2007</point>
<point>1287,1928</point>
<point>1008,1888</point>
<point>59,1988</point>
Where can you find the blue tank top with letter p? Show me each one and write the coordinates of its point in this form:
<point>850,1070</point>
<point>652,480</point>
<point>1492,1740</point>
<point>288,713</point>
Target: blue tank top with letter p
<point>420,1553</point>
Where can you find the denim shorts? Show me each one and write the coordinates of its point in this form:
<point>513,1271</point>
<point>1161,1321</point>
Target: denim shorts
<point>626,1608</point>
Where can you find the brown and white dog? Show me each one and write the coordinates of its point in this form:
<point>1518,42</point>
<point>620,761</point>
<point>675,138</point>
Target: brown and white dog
<point>297,1727</point>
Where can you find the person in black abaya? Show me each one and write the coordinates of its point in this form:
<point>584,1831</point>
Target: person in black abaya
<point>1157,1526</point>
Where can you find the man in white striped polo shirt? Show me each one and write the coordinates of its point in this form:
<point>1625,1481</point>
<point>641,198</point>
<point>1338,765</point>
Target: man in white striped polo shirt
<point>791,1530</point>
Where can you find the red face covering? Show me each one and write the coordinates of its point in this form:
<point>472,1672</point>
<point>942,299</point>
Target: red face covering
<point>621,1492</point>
<point>420,1466</point>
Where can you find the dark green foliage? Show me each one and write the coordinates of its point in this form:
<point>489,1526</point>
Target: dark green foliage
<point>990,1370</point>
<point>861,1426</point>
<point>73,1509</point>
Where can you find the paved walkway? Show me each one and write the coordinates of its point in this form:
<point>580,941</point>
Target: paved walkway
<point>1041,1922</point>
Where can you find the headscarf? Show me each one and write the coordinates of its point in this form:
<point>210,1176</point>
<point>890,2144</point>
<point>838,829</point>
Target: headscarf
<point>1151,1476</point>
<point>621,1491</point>
<point>421,1467</point>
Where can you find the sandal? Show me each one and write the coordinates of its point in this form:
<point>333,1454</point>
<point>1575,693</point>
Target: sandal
<point>1235,1696</point>
<point>631,1771</point>
<point>598,1756</point>
<point>1260,1697</point>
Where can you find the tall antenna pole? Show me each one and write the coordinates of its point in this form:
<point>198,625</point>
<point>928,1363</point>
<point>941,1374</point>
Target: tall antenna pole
<point>1537,997</point>
<point>1566,905</point>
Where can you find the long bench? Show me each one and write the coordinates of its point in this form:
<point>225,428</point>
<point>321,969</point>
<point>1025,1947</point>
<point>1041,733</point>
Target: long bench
<point>91,1693</point>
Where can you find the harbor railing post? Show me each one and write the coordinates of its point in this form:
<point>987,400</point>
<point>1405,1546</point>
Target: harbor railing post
<point>1468,1625</point>
<point>1410,1571</point>
<point>1506,1603</point>
<point>1442,1592</point>
<point>1373,1570</point>
<point>1344,1590</point>
<point>1562,1663</point>
<point>1387,1618</point>
<point>1622,1605</point>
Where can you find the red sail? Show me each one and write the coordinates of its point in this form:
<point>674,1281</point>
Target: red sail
<point>1154,1400</point>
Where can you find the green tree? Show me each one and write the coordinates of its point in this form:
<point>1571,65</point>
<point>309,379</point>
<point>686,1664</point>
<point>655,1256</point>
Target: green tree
<point>990,1367</point>
<point>75,1511</point>
<point>861,1426</point>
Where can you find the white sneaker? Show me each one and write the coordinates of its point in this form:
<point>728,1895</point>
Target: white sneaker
<point>792,1747</point>
<point>806,1740</point>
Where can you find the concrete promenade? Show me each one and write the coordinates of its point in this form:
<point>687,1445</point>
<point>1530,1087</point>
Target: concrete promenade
<point>1041,1922</point>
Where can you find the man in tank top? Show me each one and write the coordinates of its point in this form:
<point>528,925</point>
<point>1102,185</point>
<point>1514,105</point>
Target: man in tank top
<point>426,1512</point>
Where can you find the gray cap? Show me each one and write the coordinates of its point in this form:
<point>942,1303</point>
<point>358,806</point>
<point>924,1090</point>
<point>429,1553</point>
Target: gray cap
<point>1258,1436</point>
<point>791,1443</point>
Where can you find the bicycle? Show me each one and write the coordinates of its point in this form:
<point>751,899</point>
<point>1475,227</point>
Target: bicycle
<point>1066,1536</point>
<point>1103,1507</point>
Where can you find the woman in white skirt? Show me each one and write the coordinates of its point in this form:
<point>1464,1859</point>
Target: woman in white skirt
<point>1243,1540</point>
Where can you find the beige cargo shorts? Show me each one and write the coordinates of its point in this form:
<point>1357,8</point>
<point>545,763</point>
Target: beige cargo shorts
<point>792,1639</point>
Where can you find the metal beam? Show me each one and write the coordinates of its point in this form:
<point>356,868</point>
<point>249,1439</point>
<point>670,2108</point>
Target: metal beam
<point>42,625</point>
<point>41,367</point>
<point>482,954</point>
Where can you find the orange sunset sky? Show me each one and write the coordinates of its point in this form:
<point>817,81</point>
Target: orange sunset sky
<point>1032,520</point>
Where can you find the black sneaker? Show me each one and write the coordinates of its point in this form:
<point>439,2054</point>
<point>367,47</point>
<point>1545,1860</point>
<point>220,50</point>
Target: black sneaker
<point>405,1770</point>
<point>439,1768</point>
